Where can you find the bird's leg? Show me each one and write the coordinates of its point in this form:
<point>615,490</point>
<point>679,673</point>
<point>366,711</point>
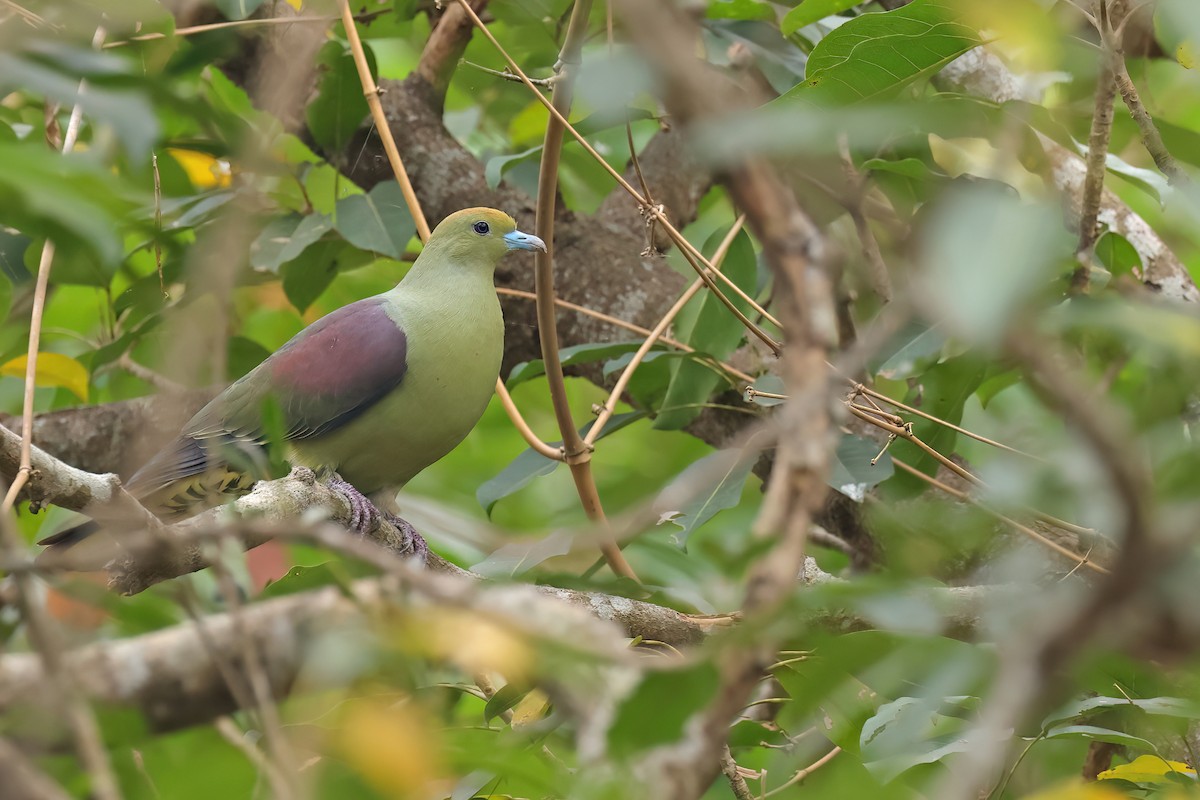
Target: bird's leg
<point>412,543</point>
<point>364,516</point>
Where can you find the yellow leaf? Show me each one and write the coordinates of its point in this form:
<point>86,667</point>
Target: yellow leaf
<point>476,645</point>
<point>53,369</point>
<point>295,4</point>
<point>532,708</point>
<point>979,157</point>
<point>203,170</point>
<point>1147,769</point>
<point>393,745</point>
<point>1185,54</point>
<point>1076,789</point>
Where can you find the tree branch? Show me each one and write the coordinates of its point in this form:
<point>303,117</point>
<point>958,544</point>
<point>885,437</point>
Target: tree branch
<point>792,247</point>
<point>170,675</point>
<point>983,73</point>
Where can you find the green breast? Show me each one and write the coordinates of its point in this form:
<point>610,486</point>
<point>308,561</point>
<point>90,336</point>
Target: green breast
<point>455,343</point>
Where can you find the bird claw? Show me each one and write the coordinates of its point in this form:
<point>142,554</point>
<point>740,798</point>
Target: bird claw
<point>364,517</point>
<point>413,543</point>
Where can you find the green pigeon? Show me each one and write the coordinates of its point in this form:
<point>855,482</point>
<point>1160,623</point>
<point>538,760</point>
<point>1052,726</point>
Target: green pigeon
<point>375,391</point>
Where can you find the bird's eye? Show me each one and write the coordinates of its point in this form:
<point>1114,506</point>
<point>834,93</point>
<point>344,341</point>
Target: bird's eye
<point>481,228</point>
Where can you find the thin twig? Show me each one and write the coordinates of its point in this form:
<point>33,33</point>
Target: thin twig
<point>158,263</point>
<point>371,92</point>
<point>1151,138</point>
<point>691,254</point>
<point>508,76</point>
<point>733,774</point>
<point>867,390</point>
<point>804,773</point>
<point>633,156</point>
<point>531,438</point>
<point>281,754</point>
<point>1093,183</point>
<point>216,26</point>
<point>627,374</point>
<point>231,733</point>
<point>1007,520</point>
<point>576,452</point>
<point>144,373</point>
<point>620,323</point>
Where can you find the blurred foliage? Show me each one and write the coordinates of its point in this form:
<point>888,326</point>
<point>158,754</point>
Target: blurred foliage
<point>174,159</point>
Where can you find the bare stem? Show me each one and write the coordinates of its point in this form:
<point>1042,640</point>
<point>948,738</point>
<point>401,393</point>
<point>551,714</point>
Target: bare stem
<point>1017,526</point>
<point>1093,184</point>
<point>576,452</point>
<point>522,426</point>
<point>627,374</point>
<point>371,92</point>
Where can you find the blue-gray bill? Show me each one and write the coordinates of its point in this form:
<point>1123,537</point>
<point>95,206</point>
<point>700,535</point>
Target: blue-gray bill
<point>523,241</point>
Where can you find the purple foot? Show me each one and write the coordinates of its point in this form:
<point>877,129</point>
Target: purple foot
<point>364,517</point>
<point>412,543</point>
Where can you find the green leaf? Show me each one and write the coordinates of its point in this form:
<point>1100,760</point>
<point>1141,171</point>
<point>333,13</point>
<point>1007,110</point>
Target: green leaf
<point>828,687</point>
<point>530,464</point>
<point>1150,181</point>
<point>941,391</point>
<point>644,720</point>
<point>378,221</point>
<point>913,168</point>
<point>729,470</point>
<point>496,166</point>
<point>780,60</point>
<point>996,384</point>
<point>339,107</point>
<point>911,731</point>
<point>811,11</point>
<point>907,350</point>
<point>1117,255</point>
<point>714,331</point>
<point>1092,733</point>
<point>619,363</point>
<point>1162,706</point>
<point>13,245</point>
<point>237,9</point>
<point>516,557</point>
<point>852,473</point>
<point>53,70</point>
<point>571,356</point>
<point>876,55</point>
<point>740,9</point>
<point>772,384</point>
<point>307,276</point>
<point>6,292</point>
<point>285,238</point>
<point>506,697</point>
<point>304,579</point>
<point>988,253</point>
<point>66,198</point>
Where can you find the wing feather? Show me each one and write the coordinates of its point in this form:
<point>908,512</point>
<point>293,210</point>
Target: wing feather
<point>324,377</point>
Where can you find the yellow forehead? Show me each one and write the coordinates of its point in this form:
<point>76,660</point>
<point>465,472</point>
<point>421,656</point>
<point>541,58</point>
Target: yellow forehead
<point>497,220</point>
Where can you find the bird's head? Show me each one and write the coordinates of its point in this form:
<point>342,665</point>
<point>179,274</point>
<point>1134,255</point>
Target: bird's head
<point>481,233</point>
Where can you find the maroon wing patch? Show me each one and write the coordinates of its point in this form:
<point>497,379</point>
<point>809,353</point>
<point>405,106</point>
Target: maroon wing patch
<point>338,367</point>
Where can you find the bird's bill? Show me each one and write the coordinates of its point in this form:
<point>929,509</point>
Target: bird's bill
<point>523,241</point>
